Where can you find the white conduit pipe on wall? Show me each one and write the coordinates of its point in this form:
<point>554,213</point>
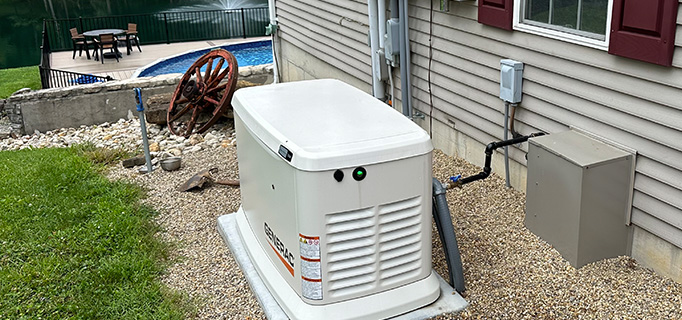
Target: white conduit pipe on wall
<point>382,23</point>
<point>378,89</point>
<point>273,22</point>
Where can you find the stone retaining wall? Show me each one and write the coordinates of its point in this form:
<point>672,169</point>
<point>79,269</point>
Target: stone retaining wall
<point>96,103</point>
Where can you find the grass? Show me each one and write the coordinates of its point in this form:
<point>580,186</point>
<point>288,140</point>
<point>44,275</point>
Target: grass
<point>102,157</point>
<point>14,79</point>
<point>74,245</point>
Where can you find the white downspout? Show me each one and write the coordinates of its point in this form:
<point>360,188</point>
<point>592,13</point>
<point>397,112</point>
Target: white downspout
<point>377,85</point>
<point>382,22</point>
<point>273,22</point>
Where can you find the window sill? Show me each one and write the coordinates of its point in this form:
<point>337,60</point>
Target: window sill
<point>563,36</point>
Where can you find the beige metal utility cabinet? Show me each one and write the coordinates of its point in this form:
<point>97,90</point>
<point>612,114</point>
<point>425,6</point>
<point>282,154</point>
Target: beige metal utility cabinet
<point>578,196</point>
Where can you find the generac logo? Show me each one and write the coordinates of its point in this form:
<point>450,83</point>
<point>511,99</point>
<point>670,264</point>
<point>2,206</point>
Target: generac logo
<point>283,253</point>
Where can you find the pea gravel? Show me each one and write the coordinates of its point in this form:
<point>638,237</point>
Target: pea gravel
<point>509,272</point>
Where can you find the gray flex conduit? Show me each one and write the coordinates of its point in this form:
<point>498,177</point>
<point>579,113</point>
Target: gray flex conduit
<point>446,231</point>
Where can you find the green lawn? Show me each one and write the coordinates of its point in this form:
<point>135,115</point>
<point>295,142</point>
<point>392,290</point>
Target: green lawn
<point>75,245</point>
<point>14,79</point>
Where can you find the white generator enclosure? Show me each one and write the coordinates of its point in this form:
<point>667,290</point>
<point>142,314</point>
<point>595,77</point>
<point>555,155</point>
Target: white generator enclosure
<point>336,200</point>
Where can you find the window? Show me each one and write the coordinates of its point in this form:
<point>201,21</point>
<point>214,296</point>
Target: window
<point>578,21</point>
<point>637,29</point>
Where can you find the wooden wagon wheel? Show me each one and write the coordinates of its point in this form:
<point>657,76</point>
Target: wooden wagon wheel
<point>202,96</point>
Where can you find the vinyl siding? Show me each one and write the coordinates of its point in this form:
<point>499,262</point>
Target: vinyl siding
<point>333,31</point>
<point>630,102</point>
<point>633,103</point>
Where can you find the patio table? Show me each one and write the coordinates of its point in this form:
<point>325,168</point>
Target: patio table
<point>96,33</point>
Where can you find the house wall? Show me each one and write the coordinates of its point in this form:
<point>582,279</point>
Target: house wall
<point>629,102</point>
<point>318,34</point>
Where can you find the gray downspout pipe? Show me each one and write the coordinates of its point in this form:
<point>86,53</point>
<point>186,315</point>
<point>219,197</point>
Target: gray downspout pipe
<point>506,148</point>
<point>446,231</point>
<point>393,7</point>
<point>404,60</point>
<point>408,58</point>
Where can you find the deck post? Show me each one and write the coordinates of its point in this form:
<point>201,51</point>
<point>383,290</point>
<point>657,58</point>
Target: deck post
<point>165,22</point>
<point>243,24</point>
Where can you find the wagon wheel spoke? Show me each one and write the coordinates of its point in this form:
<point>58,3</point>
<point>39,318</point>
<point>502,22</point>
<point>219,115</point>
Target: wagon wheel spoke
<point>197,70</point>
<point>220,77</point>
<point>217,89</point>
<point>217,111</point>
<point>181,101</point>
<point>216,70</point>
<point>208,69</point>
<point>182,112</point>
<point>211,100</point>
<point>192,122</point>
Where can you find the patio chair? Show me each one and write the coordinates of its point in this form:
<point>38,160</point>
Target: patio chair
<point>107,41</point>
<point>131,36</point>
<point>80,43</point>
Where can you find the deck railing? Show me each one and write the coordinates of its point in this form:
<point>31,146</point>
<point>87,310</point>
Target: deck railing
<point>167,27</point>
<point>45,49</point>
<point>53,78</point>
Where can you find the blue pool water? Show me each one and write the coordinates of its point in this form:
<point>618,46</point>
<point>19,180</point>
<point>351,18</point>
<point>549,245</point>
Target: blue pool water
<point>247,54</point>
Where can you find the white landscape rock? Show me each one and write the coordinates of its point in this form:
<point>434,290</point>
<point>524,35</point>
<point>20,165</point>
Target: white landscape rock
<point>123,134</point>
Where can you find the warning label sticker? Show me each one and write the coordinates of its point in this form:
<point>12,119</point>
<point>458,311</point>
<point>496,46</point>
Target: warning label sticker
<point>311,267</point>
<point>311,289</point>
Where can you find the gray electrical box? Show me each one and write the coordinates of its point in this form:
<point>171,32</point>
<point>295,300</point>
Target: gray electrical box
<point>578,196</point>
<point>511,76</point>
<point>392,41</point>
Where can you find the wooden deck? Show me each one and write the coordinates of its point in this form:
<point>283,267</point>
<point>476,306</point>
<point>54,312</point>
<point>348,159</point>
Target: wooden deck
<point>127,65</point>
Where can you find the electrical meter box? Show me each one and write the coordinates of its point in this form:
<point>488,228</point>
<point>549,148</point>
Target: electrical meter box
<point>578,196</point>
<point>336,200</point>
<point>511,77</point>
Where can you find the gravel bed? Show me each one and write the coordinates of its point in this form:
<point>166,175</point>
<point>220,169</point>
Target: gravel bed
<point>512,274</point>
<point>509,272</point>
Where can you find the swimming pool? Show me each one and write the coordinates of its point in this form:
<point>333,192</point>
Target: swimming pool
<point>247,54</point>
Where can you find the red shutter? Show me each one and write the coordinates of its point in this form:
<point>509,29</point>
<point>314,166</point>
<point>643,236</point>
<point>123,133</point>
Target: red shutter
<point>496,13</point>
<point>644,30</point>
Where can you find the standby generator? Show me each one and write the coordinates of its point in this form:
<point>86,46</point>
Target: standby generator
<point>336,200</point>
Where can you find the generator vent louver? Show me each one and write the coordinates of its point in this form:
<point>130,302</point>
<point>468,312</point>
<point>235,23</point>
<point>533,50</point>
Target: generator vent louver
<point>373,247</point>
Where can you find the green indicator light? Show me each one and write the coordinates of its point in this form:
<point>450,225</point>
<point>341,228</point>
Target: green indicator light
<point>359,174</point>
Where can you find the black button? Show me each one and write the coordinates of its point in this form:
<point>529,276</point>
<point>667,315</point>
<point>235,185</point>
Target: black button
<point>359,173</point>
<point>338,175</point>
<point>285,153</point>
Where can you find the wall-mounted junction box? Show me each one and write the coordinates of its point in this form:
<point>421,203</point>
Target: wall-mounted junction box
<point>511,76</point>
<point>578,196</point>
<point>392,41</point>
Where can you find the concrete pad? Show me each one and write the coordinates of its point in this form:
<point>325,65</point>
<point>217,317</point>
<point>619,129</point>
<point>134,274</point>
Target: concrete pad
<point>449,300</point>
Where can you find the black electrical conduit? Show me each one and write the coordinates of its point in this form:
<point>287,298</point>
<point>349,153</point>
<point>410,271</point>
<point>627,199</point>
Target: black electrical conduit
<point>441,212</point>
<point>488,159</point>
